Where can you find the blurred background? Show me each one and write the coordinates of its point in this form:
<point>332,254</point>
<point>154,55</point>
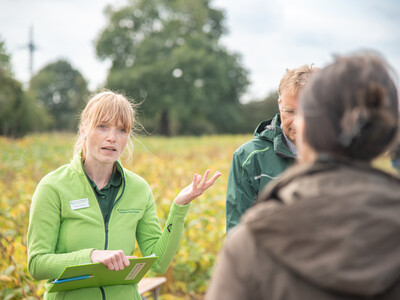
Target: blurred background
<point>197,67</point>
<point>205,73</point>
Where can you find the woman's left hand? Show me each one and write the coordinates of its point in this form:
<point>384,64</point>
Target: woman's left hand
<point>196,188</point>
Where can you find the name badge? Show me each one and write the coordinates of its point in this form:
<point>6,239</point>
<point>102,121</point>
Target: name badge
<point>78,204</point>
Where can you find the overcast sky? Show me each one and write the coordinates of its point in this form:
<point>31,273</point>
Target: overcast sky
<point>271,35</point>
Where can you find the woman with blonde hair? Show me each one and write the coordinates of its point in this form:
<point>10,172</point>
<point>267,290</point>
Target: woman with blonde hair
<point>95,210</point>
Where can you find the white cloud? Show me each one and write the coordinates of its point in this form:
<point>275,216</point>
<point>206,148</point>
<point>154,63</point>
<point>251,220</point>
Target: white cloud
<point>309,31</point>
<point>61,29</point>
<point>270,35</point>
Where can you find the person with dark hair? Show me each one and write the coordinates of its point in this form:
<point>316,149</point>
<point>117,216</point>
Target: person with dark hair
<point>329,227</point>
<point>271,151</point>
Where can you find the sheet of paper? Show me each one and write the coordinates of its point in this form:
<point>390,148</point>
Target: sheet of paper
<point>135,270</point>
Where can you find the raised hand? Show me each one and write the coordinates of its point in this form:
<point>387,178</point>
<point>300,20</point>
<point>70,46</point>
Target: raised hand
<point>196,188</point>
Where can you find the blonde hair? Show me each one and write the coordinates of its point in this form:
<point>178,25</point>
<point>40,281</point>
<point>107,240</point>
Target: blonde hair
<point>295,79</point>
<point>105,107</point>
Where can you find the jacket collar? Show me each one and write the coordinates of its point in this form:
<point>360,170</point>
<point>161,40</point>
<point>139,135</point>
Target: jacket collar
<point>77,166</point>
<point>271,131</point>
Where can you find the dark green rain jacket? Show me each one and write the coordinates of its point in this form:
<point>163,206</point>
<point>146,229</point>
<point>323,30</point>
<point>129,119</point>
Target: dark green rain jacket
<point>254,164</point>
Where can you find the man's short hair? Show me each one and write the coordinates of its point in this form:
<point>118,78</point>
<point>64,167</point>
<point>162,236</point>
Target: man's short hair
<point>295,79</point>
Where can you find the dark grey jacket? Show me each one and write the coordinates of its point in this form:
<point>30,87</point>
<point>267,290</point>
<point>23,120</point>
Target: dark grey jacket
<point>327,231</point>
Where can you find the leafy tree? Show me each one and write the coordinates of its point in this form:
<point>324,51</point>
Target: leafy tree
<point>10,92</point>
<point>10,100</point>
<point>5,60</point>
<point>19,113</point>
<point>63,91</point>
<point>255,112</point>
<point>168,53</point>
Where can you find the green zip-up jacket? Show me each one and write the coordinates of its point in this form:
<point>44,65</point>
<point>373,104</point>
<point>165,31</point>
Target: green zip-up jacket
<point>62,233</point>
<point>254,164</point>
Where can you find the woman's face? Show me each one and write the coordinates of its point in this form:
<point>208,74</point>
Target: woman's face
<point>106,143</point>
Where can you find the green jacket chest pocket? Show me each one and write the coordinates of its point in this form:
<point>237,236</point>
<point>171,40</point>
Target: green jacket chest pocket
<point>81,225</point>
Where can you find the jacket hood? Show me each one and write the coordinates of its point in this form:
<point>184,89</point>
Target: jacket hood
<point>271,131</point>
<point>336,225</point>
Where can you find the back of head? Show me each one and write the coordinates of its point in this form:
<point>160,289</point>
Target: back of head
<point>295,79</point>
<point>350,107</point>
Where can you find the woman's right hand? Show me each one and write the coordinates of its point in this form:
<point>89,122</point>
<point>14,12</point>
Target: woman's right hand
<point>114,260</point>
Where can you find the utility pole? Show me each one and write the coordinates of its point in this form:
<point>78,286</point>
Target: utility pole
<point>32,49</point>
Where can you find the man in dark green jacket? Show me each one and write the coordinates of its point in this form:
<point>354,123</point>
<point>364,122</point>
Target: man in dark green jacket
<point>271,151</point>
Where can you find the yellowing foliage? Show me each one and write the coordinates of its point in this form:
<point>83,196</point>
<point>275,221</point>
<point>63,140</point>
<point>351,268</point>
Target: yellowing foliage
<point>168,165</point>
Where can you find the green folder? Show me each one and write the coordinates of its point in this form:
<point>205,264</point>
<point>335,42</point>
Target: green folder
<point>99,275</point>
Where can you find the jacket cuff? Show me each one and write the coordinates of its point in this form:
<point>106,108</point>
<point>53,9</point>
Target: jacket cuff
<point>86,255</point>
<point>179,210</point>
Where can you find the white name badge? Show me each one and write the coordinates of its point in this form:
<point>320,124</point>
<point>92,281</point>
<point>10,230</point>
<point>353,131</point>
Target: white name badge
<point>78,204</point>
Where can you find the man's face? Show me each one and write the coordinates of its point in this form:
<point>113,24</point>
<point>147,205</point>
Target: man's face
<point>288,109</point>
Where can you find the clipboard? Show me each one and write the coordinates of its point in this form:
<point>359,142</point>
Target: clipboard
<point>97,274</point>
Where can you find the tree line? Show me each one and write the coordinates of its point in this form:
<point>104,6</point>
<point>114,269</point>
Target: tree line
<point>166,55</point>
